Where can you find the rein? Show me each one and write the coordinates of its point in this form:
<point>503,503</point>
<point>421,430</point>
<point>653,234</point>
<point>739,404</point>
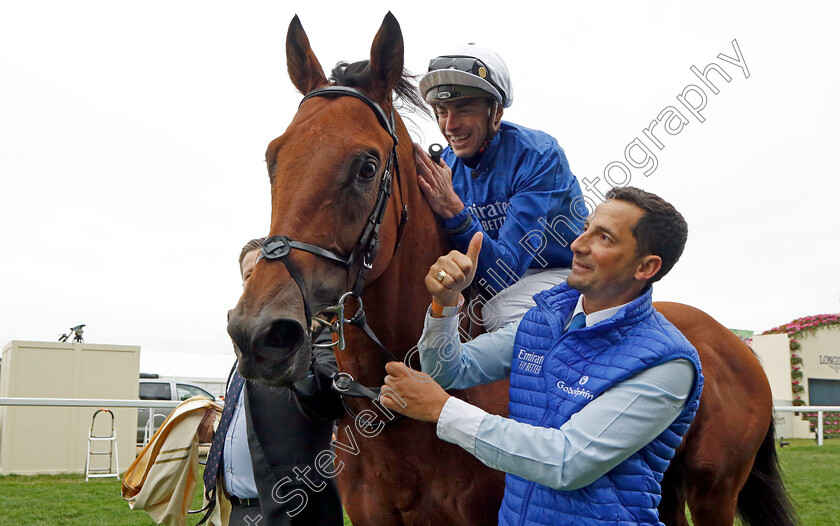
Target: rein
<point>366,249</point>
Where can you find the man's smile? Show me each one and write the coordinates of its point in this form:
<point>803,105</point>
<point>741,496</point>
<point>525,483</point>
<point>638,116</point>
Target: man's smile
<point>458,139</point>
<point>577,265</point>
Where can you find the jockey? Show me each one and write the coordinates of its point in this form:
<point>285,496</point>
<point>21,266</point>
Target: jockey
<point>510,182</point>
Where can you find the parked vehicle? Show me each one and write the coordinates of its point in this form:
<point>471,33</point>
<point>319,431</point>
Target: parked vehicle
<point>162,389</point>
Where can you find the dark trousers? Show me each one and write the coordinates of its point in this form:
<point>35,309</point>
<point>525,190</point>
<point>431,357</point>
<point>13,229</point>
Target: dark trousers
<point>322,508</point>
<point>241,515</point>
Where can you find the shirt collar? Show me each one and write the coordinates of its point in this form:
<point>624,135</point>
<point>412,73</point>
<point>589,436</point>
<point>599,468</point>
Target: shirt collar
<point>595,317</point>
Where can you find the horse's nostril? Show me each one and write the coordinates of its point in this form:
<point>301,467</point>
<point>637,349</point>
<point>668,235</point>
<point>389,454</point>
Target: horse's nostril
<point>278,352</point>
<point>284,334</point>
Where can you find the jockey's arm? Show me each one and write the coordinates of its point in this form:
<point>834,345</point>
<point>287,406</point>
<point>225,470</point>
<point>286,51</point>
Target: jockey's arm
<point>531,206</point>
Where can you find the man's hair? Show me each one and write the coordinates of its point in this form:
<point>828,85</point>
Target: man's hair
<point>254,244</point>
<point>661,231</point>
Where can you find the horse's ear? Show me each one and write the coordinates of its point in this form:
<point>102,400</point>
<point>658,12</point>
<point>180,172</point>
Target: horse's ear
<point>304,69</point>
<point>386,58</point>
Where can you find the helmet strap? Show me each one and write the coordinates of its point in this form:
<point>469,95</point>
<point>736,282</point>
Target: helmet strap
<point>491,132</point>
<point>473,161</point>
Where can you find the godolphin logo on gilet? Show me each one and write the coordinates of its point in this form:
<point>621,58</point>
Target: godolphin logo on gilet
<point>576,391</point>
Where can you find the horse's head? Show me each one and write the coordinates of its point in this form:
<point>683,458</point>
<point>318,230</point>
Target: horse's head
<point>328,174</point>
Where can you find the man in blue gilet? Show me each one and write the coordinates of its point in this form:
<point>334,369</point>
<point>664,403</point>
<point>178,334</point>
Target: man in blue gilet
<point>602,387</point>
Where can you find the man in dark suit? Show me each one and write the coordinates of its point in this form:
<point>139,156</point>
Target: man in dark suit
<point>273,437</point>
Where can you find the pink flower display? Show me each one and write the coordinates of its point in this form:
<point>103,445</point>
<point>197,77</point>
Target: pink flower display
<point>805,324</point>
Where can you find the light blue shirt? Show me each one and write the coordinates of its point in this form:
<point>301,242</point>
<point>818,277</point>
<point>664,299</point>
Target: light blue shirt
<point>596,439</point>
<point>239,473</point>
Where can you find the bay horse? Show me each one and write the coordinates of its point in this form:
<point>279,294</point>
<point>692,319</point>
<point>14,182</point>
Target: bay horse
<point>348,215</point>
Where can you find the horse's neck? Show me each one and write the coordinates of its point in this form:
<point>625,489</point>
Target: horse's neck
<point>400,292</point>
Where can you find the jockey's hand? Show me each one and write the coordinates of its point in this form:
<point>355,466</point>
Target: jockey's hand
<point>412,393</point>
<point>435,181</point>
<point>459,271</point>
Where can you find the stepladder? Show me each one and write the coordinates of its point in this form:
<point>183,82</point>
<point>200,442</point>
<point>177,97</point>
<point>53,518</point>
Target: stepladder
<point>100,445</point>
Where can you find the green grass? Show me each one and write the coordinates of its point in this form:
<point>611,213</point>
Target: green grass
<point>812,475</point>
<point>65,499</point>
<point>46,500</point>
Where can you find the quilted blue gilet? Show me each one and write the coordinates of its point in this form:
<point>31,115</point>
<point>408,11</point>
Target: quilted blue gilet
<point>554,375</point>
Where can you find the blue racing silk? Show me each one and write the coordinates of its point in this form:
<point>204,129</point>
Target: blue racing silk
<point>524,197</point>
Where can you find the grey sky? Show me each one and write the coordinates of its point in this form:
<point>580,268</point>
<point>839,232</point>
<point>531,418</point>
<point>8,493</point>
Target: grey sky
<point>132,138</point>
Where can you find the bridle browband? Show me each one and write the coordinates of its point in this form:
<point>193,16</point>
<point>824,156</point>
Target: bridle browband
<point>280,247</point>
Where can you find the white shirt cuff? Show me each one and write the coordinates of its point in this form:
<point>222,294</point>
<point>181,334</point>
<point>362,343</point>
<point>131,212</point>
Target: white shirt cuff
<point>444,324</point>
<point>459,423</point>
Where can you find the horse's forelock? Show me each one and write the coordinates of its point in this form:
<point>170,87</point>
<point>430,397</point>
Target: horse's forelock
<point>352,75</point>
<point>357,75</point>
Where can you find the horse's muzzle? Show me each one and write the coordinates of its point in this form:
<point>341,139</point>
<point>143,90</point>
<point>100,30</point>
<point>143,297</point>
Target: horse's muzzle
<point>273,351</point>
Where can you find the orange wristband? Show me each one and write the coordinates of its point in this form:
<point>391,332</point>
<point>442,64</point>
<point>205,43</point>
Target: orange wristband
<point>440,310</point>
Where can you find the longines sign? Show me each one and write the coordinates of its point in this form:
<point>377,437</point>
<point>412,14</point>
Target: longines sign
<point>831,361</point>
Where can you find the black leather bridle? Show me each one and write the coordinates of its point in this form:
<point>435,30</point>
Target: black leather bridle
<point>279,247</point>
<point>364,252</point>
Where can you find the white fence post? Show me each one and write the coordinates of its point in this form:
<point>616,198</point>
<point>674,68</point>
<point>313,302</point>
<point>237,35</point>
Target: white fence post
<point>819,409</point>
<point>819,428</point>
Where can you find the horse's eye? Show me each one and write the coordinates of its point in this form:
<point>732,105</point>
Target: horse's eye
<point>368,170</point>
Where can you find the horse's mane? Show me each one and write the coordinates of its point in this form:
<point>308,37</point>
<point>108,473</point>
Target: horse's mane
<point>357,75</point>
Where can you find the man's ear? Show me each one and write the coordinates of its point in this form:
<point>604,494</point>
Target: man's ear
<point>648,268</point>
<point>496,121</point>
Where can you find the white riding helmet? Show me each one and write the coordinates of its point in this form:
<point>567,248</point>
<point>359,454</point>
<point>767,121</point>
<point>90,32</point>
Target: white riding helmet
<point>470,71</point>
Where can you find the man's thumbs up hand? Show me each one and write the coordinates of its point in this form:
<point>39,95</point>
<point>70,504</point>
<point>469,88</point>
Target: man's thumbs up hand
<point>453,273</point>
<point>473,250</point>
